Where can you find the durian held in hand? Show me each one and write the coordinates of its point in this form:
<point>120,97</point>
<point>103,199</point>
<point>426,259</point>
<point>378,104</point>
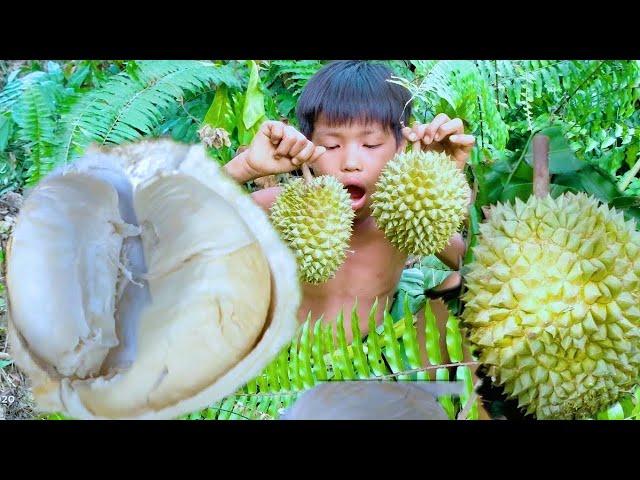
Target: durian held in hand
<point>421,201</point>
<point>314,217</point>
<point>552,303</point>
<point>144,285</point>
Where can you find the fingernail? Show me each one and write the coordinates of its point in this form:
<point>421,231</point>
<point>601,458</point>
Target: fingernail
<point>427,139</point>
<point>412,137</point>
<point>437,138</point>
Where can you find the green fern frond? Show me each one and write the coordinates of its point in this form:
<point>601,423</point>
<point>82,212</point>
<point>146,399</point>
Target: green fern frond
<point>296,73</point>
<point>35,118</point>
<point>131,104</point>
<point>319,353</point>
<point>15,87</point>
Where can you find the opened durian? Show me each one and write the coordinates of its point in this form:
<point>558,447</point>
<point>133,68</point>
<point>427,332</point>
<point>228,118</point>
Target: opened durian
<point>315,217</point>
<point>420,201</point>
<point>552,304</point>
<point>145,285</point>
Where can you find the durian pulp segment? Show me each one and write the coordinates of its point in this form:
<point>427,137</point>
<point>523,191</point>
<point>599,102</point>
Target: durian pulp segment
<point>78,265</point>
<point>195,327</point>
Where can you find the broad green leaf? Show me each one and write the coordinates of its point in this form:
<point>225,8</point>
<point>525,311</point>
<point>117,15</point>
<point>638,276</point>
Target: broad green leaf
<point>518,190</point>
<point>253,108</point>
<point>590,181</point>
<point>434,271</point>
<point>561,157</point>
<point>625,202</point>
<point>220,113</point>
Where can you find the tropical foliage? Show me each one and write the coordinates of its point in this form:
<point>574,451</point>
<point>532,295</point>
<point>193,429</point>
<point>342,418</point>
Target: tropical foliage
<point>51,111</point>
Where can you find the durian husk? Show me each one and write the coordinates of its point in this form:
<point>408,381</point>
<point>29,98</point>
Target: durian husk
<point>315,219</point>
<point>181,290</point>
<point>421,201</point>
<point>551,304</point>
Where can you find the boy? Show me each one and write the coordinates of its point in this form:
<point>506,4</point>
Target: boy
<point>351,120</point>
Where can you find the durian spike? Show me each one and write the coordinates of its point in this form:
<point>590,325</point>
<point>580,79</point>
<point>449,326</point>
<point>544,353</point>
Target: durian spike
<point>306,173</point>
<point>541,166</point>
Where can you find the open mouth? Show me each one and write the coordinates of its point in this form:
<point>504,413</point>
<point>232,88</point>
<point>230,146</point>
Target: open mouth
<point>357,194</point>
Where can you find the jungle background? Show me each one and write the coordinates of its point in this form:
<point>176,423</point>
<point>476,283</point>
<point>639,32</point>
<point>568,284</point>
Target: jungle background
<point>51,111</point>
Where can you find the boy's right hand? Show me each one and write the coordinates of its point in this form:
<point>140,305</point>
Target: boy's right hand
<point>280,148</point>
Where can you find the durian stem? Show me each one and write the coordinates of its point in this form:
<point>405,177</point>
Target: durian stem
<point>306,173</point>
<point>541,178</point>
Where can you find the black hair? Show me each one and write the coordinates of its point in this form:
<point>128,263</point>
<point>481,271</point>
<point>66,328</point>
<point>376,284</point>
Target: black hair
<point>350,90</point>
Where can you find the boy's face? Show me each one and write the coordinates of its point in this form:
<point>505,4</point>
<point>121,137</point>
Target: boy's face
<point>356,154</point>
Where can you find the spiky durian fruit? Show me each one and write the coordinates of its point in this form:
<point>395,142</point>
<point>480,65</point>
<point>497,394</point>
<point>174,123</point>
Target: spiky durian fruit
<point>315,220</point>
<point>551,304</point>
<point>420,201</point>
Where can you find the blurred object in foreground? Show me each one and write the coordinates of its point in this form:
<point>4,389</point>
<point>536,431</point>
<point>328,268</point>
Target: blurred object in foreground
<point>372,400</point>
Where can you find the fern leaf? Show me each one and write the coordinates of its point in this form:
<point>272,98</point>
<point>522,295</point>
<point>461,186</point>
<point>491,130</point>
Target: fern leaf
<point>326,356</point>
<point>35,118</point>
<point>132,103</point>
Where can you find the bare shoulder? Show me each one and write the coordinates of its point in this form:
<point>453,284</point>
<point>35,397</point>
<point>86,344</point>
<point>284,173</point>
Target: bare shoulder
<point>266,197</point>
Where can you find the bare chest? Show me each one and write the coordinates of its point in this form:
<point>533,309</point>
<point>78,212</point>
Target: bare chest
<point>371,272</point>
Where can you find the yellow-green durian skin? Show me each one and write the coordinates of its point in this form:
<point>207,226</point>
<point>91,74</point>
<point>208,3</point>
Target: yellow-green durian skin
<point>420,202</point>
<point>315,219</point>
<point>551,303</point>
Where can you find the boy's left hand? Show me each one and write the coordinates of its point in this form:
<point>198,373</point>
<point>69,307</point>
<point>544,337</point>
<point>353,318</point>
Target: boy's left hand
<point>442,134</point>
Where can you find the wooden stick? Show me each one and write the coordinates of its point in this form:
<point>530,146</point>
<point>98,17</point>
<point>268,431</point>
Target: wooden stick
<point>306,173</point>
<point>541,177</point>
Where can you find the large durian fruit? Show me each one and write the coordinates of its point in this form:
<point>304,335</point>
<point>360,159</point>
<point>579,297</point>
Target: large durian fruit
<point>314,216</point>
<point>145,284</point>
<point>420,202</point>
<point>552,301</point>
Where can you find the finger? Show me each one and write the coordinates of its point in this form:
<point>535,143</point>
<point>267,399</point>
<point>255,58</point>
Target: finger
<point>419,129</point>
<point>454,126</point>
<point>300,144</point>
<point>463,140</point>
<point>303,155</point>
<point>317,153</point>
<point>415,134</point>
<point>288,141</point>
<point>409,134</point>
<point>433,127</point>
<point>462,155</point>
<point>275,131</point>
